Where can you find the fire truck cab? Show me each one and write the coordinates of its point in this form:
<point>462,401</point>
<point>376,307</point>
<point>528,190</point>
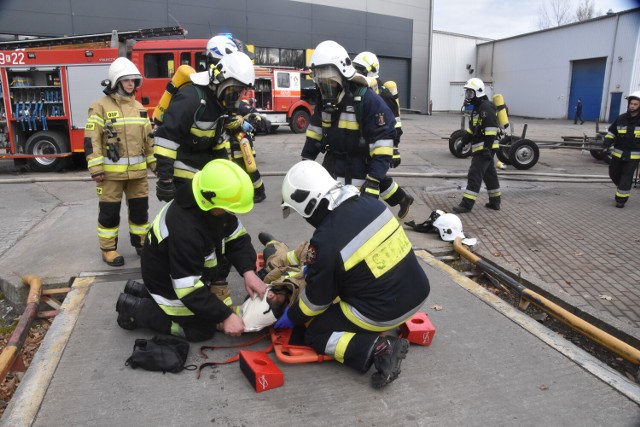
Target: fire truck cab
<point>284,96</point>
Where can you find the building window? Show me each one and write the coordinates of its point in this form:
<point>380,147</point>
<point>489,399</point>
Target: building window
<point>279,57</point>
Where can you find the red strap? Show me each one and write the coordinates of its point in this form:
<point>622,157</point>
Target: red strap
<point>232,358</point>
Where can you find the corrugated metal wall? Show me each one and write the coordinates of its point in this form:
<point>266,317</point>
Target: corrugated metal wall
<point>534,71</point>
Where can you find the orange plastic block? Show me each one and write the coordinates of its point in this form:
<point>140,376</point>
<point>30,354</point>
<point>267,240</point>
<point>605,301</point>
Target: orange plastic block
<point>260,370</point>
<point>259,261</point>
<point>418,330</point>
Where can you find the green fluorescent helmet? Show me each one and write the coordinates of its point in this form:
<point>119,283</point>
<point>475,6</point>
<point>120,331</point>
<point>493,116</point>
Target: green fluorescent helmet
<point>224,185</point>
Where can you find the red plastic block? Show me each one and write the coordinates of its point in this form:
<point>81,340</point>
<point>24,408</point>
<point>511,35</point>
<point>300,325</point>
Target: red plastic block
<point>418,330</point>
<point>260,370</point>
<point>259,261</point>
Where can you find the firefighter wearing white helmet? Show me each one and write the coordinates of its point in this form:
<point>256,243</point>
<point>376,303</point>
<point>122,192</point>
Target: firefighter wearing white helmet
<point>483,135</point>
<point>360,256</point>
<point>624,135</point>
<point>219,46</point>
<point>367,63</point>
<point>350,124</point>
<point>119,151</point>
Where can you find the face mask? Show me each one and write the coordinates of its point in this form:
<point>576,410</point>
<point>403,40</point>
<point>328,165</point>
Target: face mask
<point>469,95</point>
<point>329,82</point>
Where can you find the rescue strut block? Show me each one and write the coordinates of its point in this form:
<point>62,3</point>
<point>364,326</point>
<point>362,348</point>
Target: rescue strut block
<point>260,370</point>
<point>418,330</point>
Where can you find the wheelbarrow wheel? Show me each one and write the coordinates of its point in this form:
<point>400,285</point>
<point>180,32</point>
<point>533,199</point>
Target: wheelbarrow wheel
<point>456,146</point>
<point>524,154</point>
<point>503,152</point>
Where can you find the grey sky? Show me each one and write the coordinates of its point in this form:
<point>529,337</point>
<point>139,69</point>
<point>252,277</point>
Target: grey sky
<point>502,18</point>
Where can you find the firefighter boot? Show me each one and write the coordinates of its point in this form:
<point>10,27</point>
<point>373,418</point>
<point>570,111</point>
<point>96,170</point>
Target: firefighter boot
<point>137,289</point>
<point>388,353</point>
<point>465,206</point>
<point>259,194</point>
<point>405,204</point>
<point>221,290</point>
<point>137,242</point>
<point>113,258</point>
<point>135,312</point>
<point>269,249</point>
<point>494,203</point>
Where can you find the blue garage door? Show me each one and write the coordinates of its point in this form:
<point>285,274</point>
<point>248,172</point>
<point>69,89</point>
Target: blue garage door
<point>587,81</point>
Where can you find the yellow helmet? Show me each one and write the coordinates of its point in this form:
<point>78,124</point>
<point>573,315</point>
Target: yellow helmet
<point>224,185</point>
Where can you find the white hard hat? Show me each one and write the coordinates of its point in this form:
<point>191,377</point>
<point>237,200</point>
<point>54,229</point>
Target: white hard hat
<point>477,86</point>
<point>633,95</point>
<point>123,69</point>
<point>219,46</point>
<point>367,62</point>
<point>331,53</point>
<point>304,185</point>
<point>449,227</point>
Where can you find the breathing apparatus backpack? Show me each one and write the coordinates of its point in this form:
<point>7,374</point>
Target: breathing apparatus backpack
<point>501,110</point>
<point>181,77</point>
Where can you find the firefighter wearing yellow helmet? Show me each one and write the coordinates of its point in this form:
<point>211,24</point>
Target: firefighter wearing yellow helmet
<point>483,135</point>
<point>181,257</point>
<point>367,64</point>
<point>624,134</point>
<point>119,151</point>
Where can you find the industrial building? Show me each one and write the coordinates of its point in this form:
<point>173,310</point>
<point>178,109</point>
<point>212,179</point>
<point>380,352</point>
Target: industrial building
<point>398,31</point>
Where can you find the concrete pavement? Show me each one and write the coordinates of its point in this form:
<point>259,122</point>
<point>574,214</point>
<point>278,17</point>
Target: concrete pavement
<point>488,364</point>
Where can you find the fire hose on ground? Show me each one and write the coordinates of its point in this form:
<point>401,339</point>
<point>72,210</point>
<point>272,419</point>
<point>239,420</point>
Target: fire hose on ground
<point>19,335</point>
<point>527,296</point>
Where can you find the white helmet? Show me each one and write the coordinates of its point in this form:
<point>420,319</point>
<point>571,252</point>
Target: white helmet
<point>331,53</point>
<point>233,74</point>
<point>449,226</point>
<point>367,64</point>
<point>633,95</point>
<point>219,46</point>
<point>476,85</point>
<point>123,69</point>
<point>304,185</point>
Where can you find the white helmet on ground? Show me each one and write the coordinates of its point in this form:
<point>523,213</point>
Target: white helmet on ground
<point>477,86</point>
<point>123,69</point>
<point>220,46</point>
<point>304,185</point>
<point>449,226</point>
<point>367,64</point>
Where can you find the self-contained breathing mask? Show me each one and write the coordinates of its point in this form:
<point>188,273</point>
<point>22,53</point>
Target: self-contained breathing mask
<point>331,86</point>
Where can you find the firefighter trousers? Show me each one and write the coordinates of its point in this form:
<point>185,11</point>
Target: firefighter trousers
<point>110,198</point>
<point>391,192</point>
<point>482,169</point>
<point>331,333</point>
<point>621,173</point>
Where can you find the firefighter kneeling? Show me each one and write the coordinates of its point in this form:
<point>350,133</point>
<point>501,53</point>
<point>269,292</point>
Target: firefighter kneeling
<point>360,257</point>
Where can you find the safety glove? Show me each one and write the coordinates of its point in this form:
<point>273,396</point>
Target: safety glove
<point>395,160</point>
<point>246,127</point>
<point>284,322</point>
<point>165,190</point>
<point>371,187</point>
<point>233,122</point>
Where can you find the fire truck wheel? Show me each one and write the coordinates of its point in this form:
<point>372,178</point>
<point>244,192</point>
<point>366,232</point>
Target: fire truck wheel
<point>299,121</point>
<point>47,142</point>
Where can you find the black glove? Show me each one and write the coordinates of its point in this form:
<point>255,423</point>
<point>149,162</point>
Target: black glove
<point>395,160</point>
<point>466,138</point>
<point>371,187</point>
<point>165,190</point>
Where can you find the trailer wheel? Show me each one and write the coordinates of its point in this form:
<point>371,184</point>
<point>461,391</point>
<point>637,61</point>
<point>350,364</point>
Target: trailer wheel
<point>503,152</point>
<point>47,142</point>
<point>524,154</point>
<point>299,121</point>
<point>456,146</point>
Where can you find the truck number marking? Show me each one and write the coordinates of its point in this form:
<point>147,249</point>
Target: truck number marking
<point>12,58</point>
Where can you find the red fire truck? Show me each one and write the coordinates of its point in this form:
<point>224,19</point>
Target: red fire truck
<point>284,96</point>
<point>46,87</point>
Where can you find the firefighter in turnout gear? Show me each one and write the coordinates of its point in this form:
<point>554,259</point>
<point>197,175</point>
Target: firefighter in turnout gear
<point>119,150</point>
<point>180,259</point>
<point>367,64</point>
<point>483,135</point>
<point>192,130</point>
<point>362,277</point>
<point>624,134</point>
<point>350,124</point>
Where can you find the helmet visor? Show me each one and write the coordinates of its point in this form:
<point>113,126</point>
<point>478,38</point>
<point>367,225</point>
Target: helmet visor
<point>230,97</point>
<point>329,82</point>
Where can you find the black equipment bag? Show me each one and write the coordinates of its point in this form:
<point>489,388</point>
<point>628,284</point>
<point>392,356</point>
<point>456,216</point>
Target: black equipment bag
<point>164,353</point>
